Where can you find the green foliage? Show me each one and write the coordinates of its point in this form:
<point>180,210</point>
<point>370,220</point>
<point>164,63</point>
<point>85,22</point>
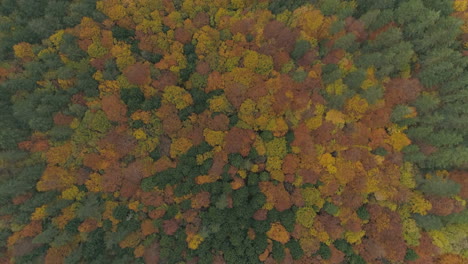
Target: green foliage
<point>428,222</point>
<point>46,236</point>
<point>363,213</point>
<point>133,98</point>
<point>278,6</point>
<point>411,255</point>
<point>439,187</point>
<point>356,259</point>
<point>411,39</point>
<point>300,48</point>
<point>324,251</point>
<point>343,246</point>
<point>120,212</point>
<point>330,73</point>
<point>346,42</point>
<point>330,208</point>
<point>295,249</point>
<point>278,251</point>
<point>94,245</point>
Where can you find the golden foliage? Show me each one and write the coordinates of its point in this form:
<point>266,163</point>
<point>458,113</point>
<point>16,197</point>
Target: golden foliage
<point>278,233</point>
<point>23,50</point>
<point>179,146</point>
<point>177,96</point>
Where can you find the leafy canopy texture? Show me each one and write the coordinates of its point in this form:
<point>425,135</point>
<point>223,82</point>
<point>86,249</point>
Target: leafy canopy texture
<point>234,131</point>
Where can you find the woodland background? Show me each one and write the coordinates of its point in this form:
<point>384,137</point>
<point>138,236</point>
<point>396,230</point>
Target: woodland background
<point>234,131</point>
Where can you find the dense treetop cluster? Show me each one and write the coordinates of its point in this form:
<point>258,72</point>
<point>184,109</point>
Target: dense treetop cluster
<point>234,131</point>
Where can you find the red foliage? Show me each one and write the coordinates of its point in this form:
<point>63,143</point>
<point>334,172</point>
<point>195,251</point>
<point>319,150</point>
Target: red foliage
<point>303,140</point>
<point>201,19</point>
<point>203,67</point>
<point>441,205</point>
<point>260,215</point>
<point>281,36</point>
<point>201,200</point>
<point>426,250</point>
<point>401,91</point>
<point>62,119</point>
<point>276,194</point>
<point>461,177</point>
<point>244,26</point>
<point>182,35</point>
<point>356,27</point>
<point>114,108</point>
<point>138,73</point>
<point>151,254</point>
<point>239,140</point>
<point>383,235</point>
<point>331,225</point>
<point>170,226</point>
<point>112,179</point>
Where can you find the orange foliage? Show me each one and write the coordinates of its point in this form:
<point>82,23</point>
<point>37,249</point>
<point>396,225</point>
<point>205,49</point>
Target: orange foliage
<point>114,108</point>
<point>278,233</point>
<point>55,178</point>
<point>138,73</point>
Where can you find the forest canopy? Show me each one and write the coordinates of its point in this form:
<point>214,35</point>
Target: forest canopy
<point>234,131</point>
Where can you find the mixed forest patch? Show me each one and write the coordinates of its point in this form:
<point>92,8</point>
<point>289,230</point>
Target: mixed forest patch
<point>234,131</point>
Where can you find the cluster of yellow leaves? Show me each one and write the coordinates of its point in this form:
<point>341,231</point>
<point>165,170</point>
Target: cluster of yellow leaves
<point>59,154</point>
<point>131,241</point>
<point>144,116</point>
<point>460,5</point>
<point>411,232</point>
<point>278,233</point>
<point>121,51</point>
<point>311,22</point>
<point>23,50</point>
<point>356,106</point>
<point>65,84</point>
<point>312,197</point>
<point>398,140</point>
<point>55,178</point>
<point>260,63</point>
<point>354,237</point>
<point>206,39</point>
<point>72,193</point>
<point>139,134</point>
<point>370,80</point>
<point>179,146</point>
<point>336,88</point>
<point>106,86</point>
<point>194,241</point>
<point>418,204</point>
<point>109,212</point>
<point>57,37</point>
<point>89,29</point>
<point>316,121</point>
<point>96,50</point>
<point>335,116</point>
<point>39,213</point>
<point>276,147</point>
<point>177,96</point>
<point>94,183</point>
<point>68,213</point>
<point>328,162</point>
<point>278,126</point>
<point>407,177</point>
<point>134,205</point>
<point>305,216</point>
<point>219,104</point>
<point>214,138</point>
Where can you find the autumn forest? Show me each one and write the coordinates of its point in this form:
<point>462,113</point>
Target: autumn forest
<point>234,131</point>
